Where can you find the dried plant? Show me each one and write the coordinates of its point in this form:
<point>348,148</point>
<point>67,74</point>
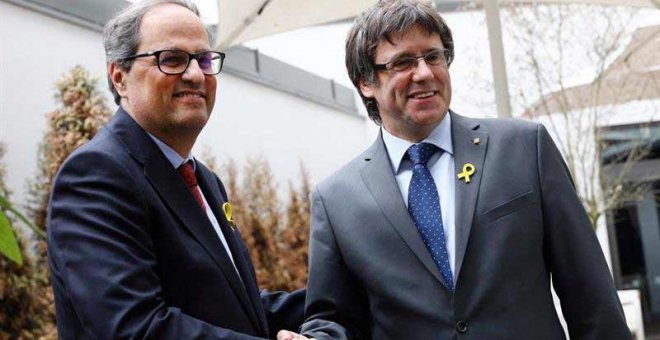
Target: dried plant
<point>294,237</point>
<point>82,113</point>
<point>26,309</point>
<point>209,159</point>
<point>31,312</point>
<point>276,237</point>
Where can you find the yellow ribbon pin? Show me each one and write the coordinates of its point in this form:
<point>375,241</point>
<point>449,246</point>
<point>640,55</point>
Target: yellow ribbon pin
<point>468,170</point>
<point>226,207</point>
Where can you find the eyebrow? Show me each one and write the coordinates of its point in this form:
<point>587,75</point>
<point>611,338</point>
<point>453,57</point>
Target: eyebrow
<point>180,49</point>
<point>408,54</point>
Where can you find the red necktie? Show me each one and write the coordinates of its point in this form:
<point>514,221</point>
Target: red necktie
<point>188,175</point>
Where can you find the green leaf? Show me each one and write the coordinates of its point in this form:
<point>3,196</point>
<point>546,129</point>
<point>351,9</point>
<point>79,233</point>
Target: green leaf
<point>8,243</point>
<point>5,205</point>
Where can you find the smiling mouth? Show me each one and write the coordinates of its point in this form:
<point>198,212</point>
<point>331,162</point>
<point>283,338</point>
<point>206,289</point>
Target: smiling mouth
<point>189,95</point>
<point>423,95</point>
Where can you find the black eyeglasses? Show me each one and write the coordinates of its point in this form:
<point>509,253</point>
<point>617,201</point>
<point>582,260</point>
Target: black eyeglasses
<point>175,62</point>
<point>436,57</point>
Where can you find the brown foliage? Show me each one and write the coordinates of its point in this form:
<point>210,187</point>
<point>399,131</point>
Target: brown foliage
<point>26,300</point>
<point>294,238</point>
<point>277,238</point>
<point>209,159</point>
<point>82,114</point>
<point>27,310</point>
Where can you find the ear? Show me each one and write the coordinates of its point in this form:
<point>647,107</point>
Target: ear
<point>367,89</point>
<point>118,75</point>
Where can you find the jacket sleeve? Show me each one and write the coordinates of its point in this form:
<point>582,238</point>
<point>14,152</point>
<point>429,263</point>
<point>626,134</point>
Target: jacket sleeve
<point>103,260</point>
<point>284,310</point>
<point>580,275</point>
<point>336,306</point>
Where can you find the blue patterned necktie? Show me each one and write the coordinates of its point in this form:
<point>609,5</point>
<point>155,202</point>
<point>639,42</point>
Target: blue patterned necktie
<point>424,208</point>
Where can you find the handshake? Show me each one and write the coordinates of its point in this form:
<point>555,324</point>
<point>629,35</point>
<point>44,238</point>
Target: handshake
<point>289,335</point>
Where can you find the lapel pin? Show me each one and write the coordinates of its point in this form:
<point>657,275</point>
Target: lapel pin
<point>476,141</point>
<point>468,170</point>
<point>226,207</point>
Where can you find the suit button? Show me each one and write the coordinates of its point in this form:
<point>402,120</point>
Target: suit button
<point>461,326</point>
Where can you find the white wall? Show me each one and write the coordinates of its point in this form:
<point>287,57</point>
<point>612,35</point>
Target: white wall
<point>249,119</point>
<point>36,49</point>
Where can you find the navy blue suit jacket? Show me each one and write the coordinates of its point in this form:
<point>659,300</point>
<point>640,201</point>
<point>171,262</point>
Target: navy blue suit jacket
<point>133,256</point>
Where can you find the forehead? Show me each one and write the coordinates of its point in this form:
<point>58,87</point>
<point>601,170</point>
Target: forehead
<point>413,40</point>
<point>172,26</point>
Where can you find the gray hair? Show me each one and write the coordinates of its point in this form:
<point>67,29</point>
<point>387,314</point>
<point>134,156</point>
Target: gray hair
<point>121,34</point>
<point>380,22</point>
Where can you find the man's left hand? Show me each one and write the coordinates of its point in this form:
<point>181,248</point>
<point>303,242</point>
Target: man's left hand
<point>289,335</point>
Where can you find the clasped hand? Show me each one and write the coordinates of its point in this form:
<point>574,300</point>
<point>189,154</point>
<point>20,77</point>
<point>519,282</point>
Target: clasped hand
<point>289,335</point>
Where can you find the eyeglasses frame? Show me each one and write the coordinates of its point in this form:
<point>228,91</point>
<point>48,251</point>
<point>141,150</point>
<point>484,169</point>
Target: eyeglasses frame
<point>191,56</point>
<point>384,67</point>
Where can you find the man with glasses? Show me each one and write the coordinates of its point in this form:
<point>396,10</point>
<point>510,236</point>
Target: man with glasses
<point>140,245</point>
<point>447,227</point>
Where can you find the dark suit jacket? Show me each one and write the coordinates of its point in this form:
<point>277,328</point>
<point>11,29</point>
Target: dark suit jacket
<point>519,223</point>
<point>133,256</point>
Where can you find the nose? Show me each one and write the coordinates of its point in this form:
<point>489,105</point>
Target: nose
<point>193,73</point>
<point>422,71</point>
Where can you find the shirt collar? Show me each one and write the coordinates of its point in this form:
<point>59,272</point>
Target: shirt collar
<point>397,147</point>
<point>175,159</point>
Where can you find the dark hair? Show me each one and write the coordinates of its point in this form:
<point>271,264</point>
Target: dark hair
<point>121,35</point>
<point>380,22</point>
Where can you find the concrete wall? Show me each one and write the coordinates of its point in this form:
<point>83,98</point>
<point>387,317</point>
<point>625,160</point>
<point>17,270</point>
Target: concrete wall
<point>256,120</point>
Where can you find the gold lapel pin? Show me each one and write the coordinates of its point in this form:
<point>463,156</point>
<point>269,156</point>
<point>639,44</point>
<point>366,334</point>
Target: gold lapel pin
<point>476,141</point>
<point>468,170</point>
<point>226,207</point>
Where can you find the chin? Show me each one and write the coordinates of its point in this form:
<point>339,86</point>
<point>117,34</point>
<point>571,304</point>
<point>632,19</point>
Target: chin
<point>429,118</point>
<point>192,111</point>
<point>191,119</point>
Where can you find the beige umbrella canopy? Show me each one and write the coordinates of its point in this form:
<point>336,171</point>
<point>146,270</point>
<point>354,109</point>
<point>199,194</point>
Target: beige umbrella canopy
<point>243,20</point>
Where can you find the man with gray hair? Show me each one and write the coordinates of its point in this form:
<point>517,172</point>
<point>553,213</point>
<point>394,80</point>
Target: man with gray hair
<point>141,240</point>
<point>447,227</point>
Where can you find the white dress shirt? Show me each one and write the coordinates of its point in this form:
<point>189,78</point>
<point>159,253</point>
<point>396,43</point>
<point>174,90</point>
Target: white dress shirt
<point>441,166</point>
<point>177,161</point>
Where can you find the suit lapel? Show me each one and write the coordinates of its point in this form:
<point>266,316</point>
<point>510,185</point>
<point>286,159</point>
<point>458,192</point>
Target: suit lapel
<point>215,200</point>
<point>464,132</point>
<point>177,196</point>
<point>379,178</point>
<point>180,200</point>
